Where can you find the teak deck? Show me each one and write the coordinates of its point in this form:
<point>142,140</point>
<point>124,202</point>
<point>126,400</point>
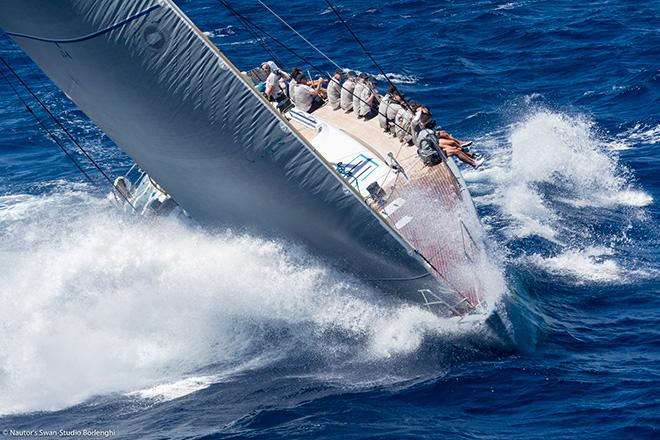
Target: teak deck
<point>431,215</point>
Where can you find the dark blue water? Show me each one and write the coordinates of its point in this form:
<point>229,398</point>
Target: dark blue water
<point>168,331</point>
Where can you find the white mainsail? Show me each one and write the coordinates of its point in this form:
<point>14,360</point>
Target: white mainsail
<point>171,100</point>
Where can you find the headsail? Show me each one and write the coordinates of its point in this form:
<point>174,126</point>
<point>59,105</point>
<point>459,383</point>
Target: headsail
<point>171,100</point>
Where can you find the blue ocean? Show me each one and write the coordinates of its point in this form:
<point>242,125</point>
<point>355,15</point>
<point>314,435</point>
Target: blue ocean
<point>152,331</point>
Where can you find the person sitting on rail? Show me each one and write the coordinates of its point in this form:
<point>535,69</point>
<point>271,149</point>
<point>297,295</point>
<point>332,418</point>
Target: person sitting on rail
<point>382,108</point>
<point>357,93</point>
<point>422,117</point>
<point>428,148</point>
<point>444,135</point>
<point>307,98</point>
<point>454,148</point>
<point>272,83</point>
<point>369,99</point>
<point>402,120</point>
<point>388,108</point>
<point>273,89</point>
<point>398,103</point>
<point>296,75</point>
<point>347,92</point>
<point>334,90</point>
<point>451,149</point>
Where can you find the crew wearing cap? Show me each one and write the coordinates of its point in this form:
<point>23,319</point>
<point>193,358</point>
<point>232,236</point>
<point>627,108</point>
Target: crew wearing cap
<point>347,92</point>
<point>357,92</point>
<point>388,107</point>
<point>334,90</point>
<point>308,98</point>
<point>272,90</point>
<point>419,122</point>
<point>368,99</point>
<point>402,121</point>
<point>296,75</point>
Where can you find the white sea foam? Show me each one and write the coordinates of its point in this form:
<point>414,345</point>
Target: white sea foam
<point>593,263</point>
<point>93,303</point>
<point>188,385</point>
<point>399,78</point>
<point>590,264</point>
<point>220,32</point>
<point>638,134</point>
<point>510,5</point>
<point>553,162</point>
<point>631,197</point>
<point>396,78</point>
<point>177,389</point>
<point>552,148</point>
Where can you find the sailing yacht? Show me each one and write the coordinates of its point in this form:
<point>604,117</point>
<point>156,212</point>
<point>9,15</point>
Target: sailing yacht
<point>209,144</point>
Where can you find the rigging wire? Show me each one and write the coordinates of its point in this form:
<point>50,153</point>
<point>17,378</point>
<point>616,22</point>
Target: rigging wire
<point>293,52</point>
<point>440,274</point>
<point>260,29</point>
<point>300,35</point>
<point>67,132</point>
<point>257,38</point>
<point>373,60</point>
<point>239,16</point>
<point>407,130</point>
<point>366,51</point>
<point>48,132</point>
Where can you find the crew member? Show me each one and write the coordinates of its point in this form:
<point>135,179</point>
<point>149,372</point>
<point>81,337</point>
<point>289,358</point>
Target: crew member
<point>307,98</point>
<point>273,89</point>
<point>357,92</point>
<point>368,99</point>
<point>334,90</point>
<point>347,92</point>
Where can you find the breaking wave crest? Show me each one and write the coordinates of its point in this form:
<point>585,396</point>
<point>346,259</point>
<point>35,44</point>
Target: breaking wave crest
<point>568,153</point>
<point>554,178</point>
<point>396,78</point>
<point>637,134</point>
<point>97,303</point>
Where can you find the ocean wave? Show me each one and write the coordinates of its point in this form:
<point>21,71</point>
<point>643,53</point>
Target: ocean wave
<point>555,177</point>
<point>97,302</point>
<point>221,32</point>
<point>396,78</point>
<point>166,391</point>
<point>644,134</point>
<point>589,264</point>
<point>565,151</point>
<point>592,264</point>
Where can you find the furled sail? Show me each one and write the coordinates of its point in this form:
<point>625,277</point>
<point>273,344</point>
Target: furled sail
<point>171,100</point>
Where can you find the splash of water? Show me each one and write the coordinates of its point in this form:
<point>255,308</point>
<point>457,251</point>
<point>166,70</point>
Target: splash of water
<point>97,303</point>
<point>638,134</point>
<point>554,169</point>
<point>552,147</point>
